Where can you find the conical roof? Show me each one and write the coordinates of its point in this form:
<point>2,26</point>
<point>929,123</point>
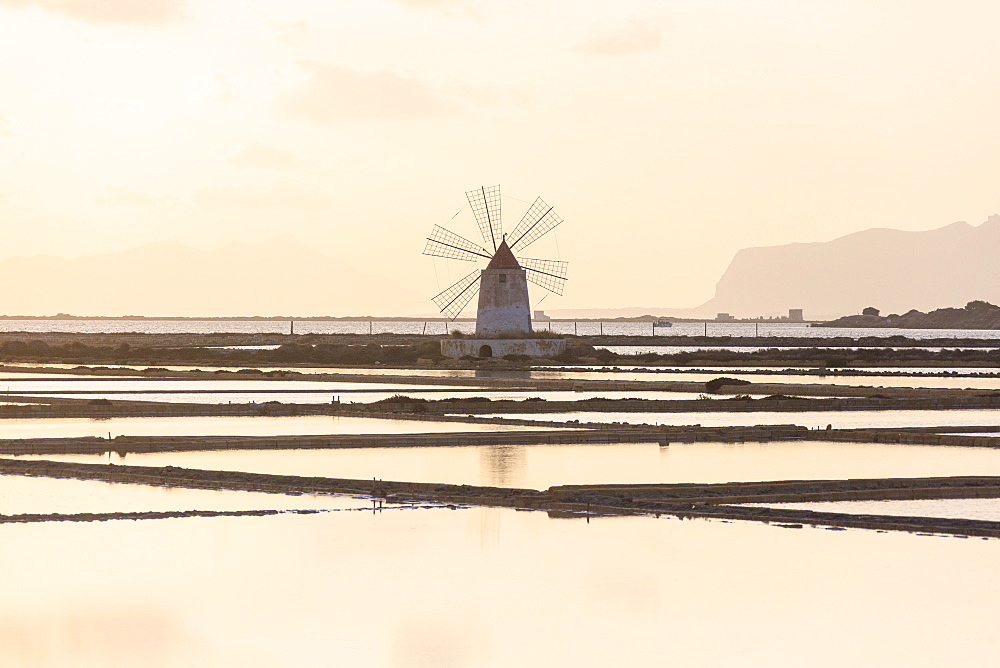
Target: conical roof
<point>503,258</point>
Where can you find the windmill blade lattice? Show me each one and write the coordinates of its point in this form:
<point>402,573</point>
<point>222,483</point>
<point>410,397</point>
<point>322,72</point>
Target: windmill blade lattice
<point>485,203</point>
<point>447,244</point>
<point>536,223</point>
<point>453,299</point>
<point>549,274</point>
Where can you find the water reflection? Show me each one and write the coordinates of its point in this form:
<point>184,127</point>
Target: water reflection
<point>502,465</point>
<point>424,589</point>
<point>541,466</point>
<point>973,509</point>
<point>503,373</point>
<point>28,494</point>
<point>326,396</point>
<point>231,426</point>
<point>811,419</point>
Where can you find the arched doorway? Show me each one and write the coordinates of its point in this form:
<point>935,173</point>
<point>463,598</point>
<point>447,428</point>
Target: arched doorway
<point>485,351</point>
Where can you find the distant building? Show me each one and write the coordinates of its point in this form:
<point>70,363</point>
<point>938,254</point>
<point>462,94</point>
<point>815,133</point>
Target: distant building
<point>724,317</point>
<point>540,316</point>
<point>795,315</point>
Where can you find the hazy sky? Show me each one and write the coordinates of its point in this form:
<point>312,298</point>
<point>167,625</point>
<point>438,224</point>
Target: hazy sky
<point>667,134</point>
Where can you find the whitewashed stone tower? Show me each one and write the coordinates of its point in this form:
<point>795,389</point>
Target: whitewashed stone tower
<point>503,297</point>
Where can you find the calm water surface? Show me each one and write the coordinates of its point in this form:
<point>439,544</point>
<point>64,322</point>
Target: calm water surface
<point>973,509</point>
<point>748,375</point>
<point>28,494</point>
<point>15,386</point>
<point>48,382</point>
<point>490,587</point>
<point>542,466</point>
<point>326,396</point>
<point>230,426</point>
<point>811,419</point>
<point>673,350</point>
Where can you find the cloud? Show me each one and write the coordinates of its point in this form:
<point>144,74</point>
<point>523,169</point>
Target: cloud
<point>335,93</point>
<point>122,196</point>
<point>109,11</point>
<point>467,7</point>
<point>263,156</point>
<point>433,3</point>
<point>293,34</point>
<point>282,196</point>
<point>636,37</point>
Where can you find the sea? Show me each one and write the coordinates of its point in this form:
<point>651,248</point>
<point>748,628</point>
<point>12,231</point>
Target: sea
<point>437,327</point>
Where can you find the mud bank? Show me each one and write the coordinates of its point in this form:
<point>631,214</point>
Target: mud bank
<point>740,404</point>
<point>148,444</point>
<point>684,501</point>
<point>63,407</point>
<point>967,437</point>
<point>67,407</point>
<point>144,515</point>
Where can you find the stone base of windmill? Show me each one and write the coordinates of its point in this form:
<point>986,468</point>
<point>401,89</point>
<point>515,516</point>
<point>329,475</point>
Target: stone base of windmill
<point>458,348</point>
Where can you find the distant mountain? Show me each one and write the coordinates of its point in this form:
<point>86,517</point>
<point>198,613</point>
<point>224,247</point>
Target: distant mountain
<point>627,312</point>
<point>891,270</point>
<point>277,277</point>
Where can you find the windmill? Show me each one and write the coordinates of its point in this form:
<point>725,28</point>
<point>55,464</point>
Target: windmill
<point>502,284</point>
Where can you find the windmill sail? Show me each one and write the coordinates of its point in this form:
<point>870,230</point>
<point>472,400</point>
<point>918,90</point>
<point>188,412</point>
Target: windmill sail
<point>485,203</point>
<point>447,244</point>
<point>549,274</point>
<point>538,221</point>
<point>453,299</point>
<point>498,250</point>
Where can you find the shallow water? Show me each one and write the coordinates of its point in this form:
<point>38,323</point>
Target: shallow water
<point>29,494</point>
<point>490,587</point>
<point>327,396</point>
<point>13,386</point>
<point>701,376</point>
<point>221,391</point>
<point>811,419</point>
<point>673,350</point>
<point>735,368</point>
<point>972,509</point>
<point>705,376</point>
<point>49,382</point>
<point>542,466</point>
<point>230,426</point>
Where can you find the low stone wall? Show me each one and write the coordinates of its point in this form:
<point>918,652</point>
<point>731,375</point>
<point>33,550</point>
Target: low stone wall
<point>694,501</point>
<point>543,348</point>
<point>907,437</point>
<point>142,444</point>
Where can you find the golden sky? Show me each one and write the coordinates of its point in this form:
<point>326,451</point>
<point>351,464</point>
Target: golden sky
<point>668,135</point>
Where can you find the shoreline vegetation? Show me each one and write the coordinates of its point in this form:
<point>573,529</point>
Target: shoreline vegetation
<point>424,351</point>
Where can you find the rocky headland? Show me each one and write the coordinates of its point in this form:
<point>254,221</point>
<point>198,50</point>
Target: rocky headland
<point>975,315</point>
